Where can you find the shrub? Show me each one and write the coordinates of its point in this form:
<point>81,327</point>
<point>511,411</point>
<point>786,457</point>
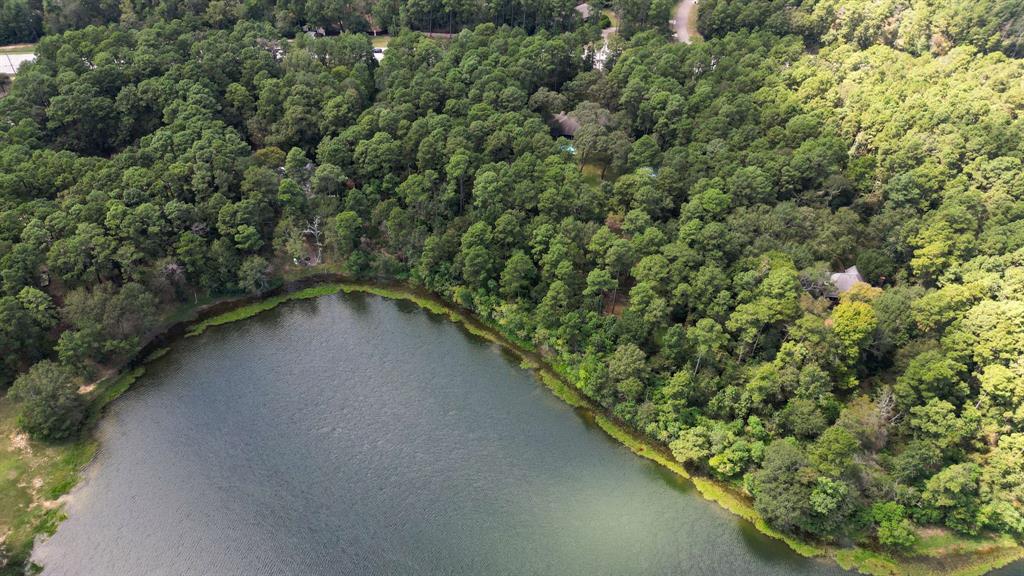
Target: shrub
<point>51,407</point>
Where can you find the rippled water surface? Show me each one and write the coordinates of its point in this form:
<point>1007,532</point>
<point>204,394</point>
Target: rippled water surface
<point>352,435</point>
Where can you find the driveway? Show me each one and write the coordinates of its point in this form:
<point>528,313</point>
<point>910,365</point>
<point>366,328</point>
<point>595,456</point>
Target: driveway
<point>685,24</point>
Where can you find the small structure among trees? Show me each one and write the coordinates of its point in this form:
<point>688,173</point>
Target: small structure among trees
<point>565,125</point>
<point>845,280</point>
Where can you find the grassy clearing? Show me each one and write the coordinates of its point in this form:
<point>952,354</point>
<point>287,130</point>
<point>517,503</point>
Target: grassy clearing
<point>380,40</point>
<point>866,562</point>
<point>15,488</point>
<point>982,561</point>
<point>592,173</point>
<point>943,543</point>
<point>35,476</point>
<point>938,552</point>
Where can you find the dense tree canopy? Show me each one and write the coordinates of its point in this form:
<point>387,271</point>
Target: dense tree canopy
<point>28,20</point>
<point>915,26</point>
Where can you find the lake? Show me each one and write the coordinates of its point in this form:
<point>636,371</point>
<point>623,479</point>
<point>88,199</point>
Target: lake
<point>356,435</point>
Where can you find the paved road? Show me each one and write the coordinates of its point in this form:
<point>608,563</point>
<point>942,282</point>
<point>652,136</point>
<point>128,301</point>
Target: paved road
<point>9,62</point>
<point>685,23</point>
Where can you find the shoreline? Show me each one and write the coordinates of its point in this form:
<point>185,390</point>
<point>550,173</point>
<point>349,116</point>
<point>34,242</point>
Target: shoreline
<point>195,319</point>
<point>855,558</point>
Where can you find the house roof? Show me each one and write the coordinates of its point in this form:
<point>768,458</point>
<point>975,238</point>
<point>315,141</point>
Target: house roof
<point>584,10</point>
<point>565,125</point>
<point>845,280</point>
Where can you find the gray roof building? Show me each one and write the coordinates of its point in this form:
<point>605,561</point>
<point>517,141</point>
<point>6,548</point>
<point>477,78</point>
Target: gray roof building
<point>565,125</point>
<point>845,280</point>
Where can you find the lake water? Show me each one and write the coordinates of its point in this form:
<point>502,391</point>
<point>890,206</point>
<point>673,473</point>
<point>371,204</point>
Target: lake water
<point>352,435</point>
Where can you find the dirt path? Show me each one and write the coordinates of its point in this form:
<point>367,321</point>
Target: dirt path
<point>685,24</point>
<point>17,48</point>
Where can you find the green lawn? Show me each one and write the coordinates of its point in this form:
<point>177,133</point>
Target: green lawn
<point>592,173</point>
<point>31,474</point>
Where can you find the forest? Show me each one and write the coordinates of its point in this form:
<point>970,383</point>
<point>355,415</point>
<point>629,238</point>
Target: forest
<point>672,259</point>
<point>29,20</point>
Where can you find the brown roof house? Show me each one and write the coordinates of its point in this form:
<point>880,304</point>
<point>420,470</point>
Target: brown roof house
<point>584,10</point>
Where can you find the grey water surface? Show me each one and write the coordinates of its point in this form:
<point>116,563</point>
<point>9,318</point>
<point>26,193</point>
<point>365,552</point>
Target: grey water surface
<point>352,435</point>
